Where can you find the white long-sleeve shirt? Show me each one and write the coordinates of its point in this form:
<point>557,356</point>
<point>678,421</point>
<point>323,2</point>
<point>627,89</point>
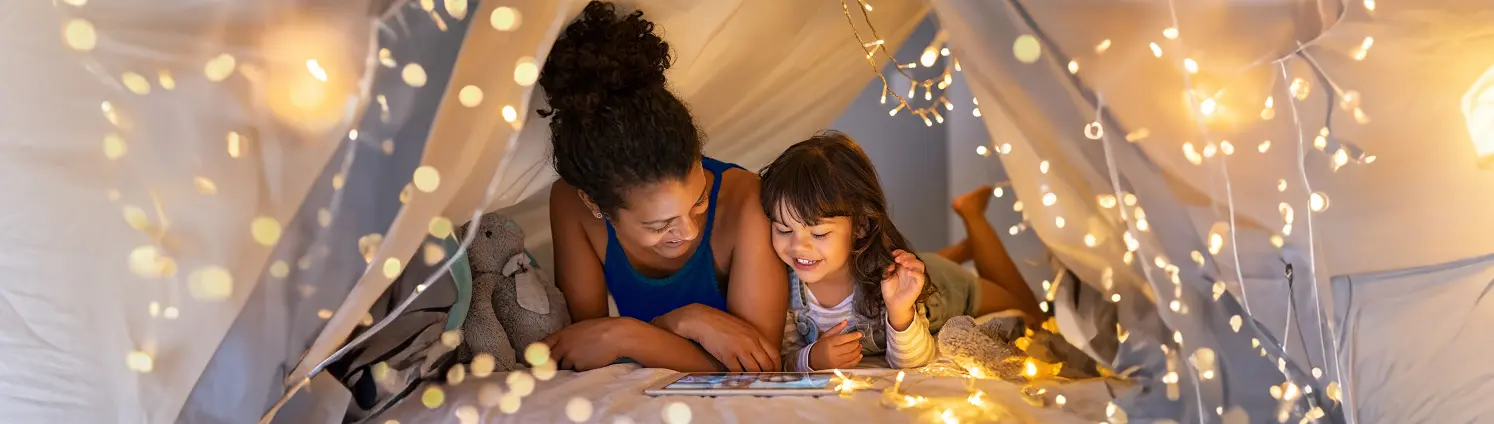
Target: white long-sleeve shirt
<point>913,347</point>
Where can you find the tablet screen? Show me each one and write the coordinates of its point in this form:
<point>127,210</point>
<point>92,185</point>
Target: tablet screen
<point>758,381</point>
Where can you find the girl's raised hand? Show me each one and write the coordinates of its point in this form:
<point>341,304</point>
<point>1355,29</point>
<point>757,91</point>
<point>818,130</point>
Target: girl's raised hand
<point>900,290</point>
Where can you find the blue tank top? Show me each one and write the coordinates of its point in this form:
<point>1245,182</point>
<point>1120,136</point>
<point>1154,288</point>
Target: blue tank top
<point>645,298</point>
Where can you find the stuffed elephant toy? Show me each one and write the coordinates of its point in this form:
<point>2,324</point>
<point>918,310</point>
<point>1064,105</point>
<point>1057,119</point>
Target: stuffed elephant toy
<point>513,303</point>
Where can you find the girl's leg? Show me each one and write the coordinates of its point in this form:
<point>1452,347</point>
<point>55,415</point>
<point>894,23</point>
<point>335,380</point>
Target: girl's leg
<point>958,252</point>
<point>992,262</point>
<point>996,298</point>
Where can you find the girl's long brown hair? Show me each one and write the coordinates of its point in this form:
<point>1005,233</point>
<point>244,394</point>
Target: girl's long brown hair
<point>830,176</point>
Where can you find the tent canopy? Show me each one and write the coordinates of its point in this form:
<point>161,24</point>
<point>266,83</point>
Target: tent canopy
<point>223,175</point>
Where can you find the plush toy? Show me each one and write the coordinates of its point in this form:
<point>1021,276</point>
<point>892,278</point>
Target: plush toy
<point>506,281</point>
<point>1002,344</point>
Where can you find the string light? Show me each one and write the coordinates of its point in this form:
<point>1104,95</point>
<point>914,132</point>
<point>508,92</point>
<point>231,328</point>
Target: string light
<point>1364,47</point>
<point>928,58</point>
<point>1103,46</point>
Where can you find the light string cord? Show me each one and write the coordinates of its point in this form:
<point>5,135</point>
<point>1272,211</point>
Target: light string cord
<point>1146,268</point>
<point>1334,90</point>
<point>877,46</point>
<point>1090,95</point>
<point>1110,163</point>
<point>1229,195</point>
<point>1312,244</point>
<point>1224,165</point>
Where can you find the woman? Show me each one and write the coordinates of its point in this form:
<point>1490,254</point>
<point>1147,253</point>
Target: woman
<point>676,238</point>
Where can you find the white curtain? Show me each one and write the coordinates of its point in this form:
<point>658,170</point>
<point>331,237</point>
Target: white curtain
<point>1404,223</point>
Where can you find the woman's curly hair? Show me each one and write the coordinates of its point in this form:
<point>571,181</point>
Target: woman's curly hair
<point>614,124</point>
<point>828,176</point>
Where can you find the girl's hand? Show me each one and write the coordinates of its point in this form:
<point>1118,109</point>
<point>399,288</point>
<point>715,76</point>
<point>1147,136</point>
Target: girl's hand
<point>590,344</point>
<point>733,342</point>
<point>834,350</point>
<point>900,290</point>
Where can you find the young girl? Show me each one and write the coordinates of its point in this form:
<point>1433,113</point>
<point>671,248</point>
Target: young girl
<point>854,289</point>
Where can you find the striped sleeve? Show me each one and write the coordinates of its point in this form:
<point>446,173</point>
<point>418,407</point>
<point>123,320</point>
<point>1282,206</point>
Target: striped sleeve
<point>913,347</point>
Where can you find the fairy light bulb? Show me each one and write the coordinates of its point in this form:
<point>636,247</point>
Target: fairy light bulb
<point>316,70</point>
<point>1156,50</point>
<point>1300,89</point>
<point>1073,67</point>
<point>1264,146</point>
<point>1317,201</point>
<point>981,150</point>
<point>1171,33</point>
<point>1106,201</point>
<point>1190,153</point>
<point>1208,107</point>
<point>928,57</point>
<point>1190,65</point>
<point>1103,46</point>
<point>1364,47</point>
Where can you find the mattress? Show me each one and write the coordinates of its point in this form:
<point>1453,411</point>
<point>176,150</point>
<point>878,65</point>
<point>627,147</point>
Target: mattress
<point>615,395</point>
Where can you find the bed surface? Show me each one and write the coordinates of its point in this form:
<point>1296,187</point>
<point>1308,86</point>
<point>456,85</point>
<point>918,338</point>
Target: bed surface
<point>615,395</point>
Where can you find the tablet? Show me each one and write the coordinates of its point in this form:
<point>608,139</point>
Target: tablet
<point>745,384</point>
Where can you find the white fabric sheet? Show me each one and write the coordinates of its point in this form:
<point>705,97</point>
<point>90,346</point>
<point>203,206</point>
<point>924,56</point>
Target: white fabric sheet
<point>617,391</point>
<point>1421,203</point>
<point>71,310</point>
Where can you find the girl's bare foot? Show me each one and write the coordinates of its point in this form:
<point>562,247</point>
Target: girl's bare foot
<point>973,204</point>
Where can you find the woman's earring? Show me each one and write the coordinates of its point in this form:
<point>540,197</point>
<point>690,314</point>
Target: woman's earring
<point>597,214</point>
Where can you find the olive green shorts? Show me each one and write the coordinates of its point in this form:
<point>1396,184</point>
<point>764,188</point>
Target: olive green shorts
<point>958,292</point>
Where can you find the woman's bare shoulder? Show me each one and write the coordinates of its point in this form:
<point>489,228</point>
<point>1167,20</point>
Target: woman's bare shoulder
<point>565,200</point>
<point>739,195</point>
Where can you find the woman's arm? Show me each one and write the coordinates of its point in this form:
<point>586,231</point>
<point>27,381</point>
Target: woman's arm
<point>654,347</point>
<point>578,270</point>
<point>758,292</point>
<point>599,342</point>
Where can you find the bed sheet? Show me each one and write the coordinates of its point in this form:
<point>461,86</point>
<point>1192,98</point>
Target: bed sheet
<point>615,395</point>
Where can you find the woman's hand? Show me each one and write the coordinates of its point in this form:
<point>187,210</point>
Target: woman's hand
<point>730,340</point>
<point>834,350</point>
<point>590,344</point>
<point>900,290</point>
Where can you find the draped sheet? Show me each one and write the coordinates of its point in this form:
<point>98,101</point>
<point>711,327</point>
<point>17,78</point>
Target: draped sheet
<point>1420,203</point>
<point>760,75</point>
<point>72,312</point>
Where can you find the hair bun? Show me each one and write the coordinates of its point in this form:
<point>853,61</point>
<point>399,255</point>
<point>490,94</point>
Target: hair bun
<point>602,55</point>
